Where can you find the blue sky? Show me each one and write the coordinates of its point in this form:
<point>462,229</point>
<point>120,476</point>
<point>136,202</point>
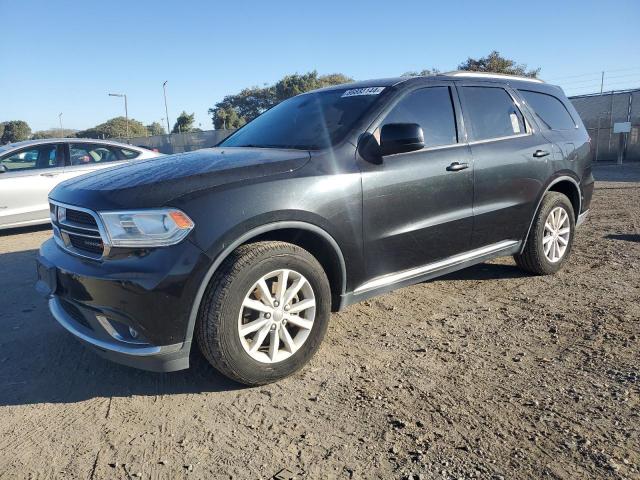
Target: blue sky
<point>65,56</point>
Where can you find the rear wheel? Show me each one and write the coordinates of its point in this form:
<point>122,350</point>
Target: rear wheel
<point>265,312</point>
<point>551,236</point>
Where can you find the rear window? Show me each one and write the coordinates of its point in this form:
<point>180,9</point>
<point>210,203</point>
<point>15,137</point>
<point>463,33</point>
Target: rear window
<point>549,110</point>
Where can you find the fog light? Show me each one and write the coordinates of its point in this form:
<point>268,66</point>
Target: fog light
<point>133,332</point>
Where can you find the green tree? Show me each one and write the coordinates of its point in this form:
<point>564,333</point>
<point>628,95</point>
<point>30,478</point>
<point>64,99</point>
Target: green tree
<point>53,133</point>
<point>156,129</point>
<point>427,72</point>
<point>495,63</point>
<point>226,118</point>
<point>15,131</point>
<point>184,123</point>
<point>115,128</point>
<point>235,110</point>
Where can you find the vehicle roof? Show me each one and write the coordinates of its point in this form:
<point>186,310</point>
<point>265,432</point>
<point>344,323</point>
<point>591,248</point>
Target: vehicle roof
<point>44,141</point>
<point>517,81</point>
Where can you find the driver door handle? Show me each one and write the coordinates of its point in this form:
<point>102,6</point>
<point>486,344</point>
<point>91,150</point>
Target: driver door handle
<point>49,174</point>
<point>540,153</point>
<point>457,166</point>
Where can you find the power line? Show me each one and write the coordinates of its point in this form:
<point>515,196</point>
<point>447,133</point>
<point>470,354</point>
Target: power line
<point>596,73</point>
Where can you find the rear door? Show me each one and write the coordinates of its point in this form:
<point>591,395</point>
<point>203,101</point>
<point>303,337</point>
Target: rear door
<point>511,161</point>
<point>85,157</point>
<point>416,208</point>
<point>29,175</point>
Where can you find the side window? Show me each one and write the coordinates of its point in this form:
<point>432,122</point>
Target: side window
<point>432,109</point>
<point>551,111</point>
<point>44,156</point>
<point>492,113</point>
<point>129,154</point>
<point>89,154</point>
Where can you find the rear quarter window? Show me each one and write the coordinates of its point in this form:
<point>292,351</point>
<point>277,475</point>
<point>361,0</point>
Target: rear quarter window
<point>550,110</point>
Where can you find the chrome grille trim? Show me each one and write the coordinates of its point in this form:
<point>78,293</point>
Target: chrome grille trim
<point>63,228</point>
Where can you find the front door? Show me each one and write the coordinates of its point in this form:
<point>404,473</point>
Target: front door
<point>28,175</point>
<point>417,209</point>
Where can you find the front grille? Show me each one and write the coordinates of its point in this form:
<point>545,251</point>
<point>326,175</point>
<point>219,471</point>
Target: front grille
<point>88,244</point>
<point>83,218</point>
<point>77,231</point>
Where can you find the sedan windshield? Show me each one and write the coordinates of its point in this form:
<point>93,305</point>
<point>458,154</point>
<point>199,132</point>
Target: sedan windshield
<point>308,122</point>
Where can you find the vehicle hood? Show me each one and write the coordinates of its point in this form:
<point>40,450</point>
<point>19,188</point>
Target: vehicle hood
<point>158,181</point>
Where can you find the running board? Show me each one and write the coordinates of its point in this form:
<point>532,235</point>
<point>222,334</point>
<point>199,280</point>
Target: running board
<point>413,273</point>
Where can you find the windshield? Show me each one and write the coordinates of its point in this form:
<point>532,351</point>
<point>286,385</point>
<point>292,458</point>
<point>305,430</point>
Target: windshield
<point>308,122</point>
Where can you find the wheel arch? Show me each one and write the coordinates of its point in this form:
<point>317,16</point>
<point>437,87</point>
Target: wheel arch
<point>568,186</point>
<point>306,235</point>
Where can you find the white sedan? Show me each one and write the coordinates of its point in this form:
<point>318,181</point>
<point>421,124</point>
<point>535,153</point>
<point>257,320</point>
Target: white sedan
<point>30,169</point>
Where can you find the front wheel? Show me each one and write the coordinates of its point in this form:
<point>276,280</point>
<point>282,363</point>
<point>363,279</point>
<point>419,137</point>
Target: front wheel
<point>551,236</point>
<point>265,312</point>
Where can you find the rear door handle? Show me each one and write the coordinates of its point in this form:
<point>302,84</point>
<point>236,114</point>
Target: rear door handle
<point>457,166</point>
<point>540,153</point>
<point>49,174</point>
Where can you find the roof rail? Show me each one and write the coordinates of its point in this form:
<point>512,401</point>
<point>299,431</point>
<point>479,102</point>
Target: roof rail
<point>465,73</point>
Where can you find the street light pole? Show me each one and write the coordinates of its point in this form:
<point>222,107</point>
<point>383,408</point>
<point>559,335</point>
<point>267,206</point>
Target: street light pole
<point>61,129</point>
<point>166,111</point>
<point>126,109</point>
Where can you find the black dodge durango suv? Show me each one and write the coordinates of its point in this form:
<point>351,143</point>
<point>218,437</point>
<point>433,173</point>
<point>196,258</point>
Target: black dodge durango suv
<point>329,198</point>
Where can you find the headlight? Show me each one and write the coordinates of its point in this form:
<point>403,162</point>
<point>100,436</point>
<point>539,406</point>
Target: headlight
<point>146,228</point>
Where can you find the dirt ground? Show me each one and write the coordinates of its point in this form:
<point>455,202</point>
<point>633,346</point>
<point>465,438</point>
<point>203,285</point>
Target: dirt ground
<point>486,373</point>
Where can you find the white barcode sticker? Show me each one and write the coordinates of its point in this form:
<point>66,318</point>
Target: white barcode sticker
<point>363,91</point>
<point>515,124</point>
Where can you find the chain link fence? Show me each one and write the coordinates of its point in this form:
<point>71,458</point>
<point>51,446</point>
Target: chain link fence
<point>599,114</point>
<point>181,142</point>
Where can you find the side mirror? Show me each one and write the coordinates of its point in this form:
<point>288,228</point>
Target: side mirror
<point>3,168</point>
<point>400,138</point>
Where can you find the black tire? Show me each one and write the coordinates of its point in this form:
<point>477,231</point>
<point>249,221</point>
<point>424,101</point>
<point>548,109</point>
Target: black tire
<point>532,259</point>
<point>217,325</point>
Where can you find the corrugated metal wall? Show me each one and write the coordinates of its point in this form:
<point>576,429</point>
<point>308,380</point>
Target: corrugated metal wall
<point>600,112</point>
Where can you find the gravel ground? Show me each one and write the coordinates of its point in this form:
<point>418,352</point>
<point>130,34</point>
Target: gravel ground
<point>486,373</point>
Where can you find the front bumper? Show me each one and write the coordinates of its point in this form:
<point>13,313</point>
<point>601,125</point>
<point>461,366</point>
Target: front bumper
<point>133,310</point>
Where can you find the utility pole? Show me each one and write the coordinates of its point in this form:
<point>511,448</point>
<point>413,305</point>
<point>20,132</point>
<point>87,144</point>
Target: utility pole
<point>599,117</point>
<point>61,129</point>
<point>166,111</point>
<point>126,110</point>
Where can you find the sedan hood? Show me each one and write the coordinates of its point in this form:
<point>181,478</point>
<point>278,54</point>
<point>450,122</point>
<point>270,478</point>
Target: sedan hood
<point>158,181</point>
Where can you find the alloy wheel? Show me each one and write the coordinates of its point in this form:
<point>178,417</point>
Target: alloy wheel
<point>276,316</point>
<point>557,231</point>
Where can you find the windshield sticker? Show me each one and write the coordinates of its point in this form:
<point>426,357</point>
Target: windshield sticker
<point>363,91</point>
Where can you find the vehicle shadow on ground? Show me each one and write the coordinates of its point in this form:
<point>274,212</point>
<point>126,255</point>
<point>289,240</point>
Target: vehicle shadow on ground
<point>485,271</point>
<point>40,362</point>
<point>627,237</point>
